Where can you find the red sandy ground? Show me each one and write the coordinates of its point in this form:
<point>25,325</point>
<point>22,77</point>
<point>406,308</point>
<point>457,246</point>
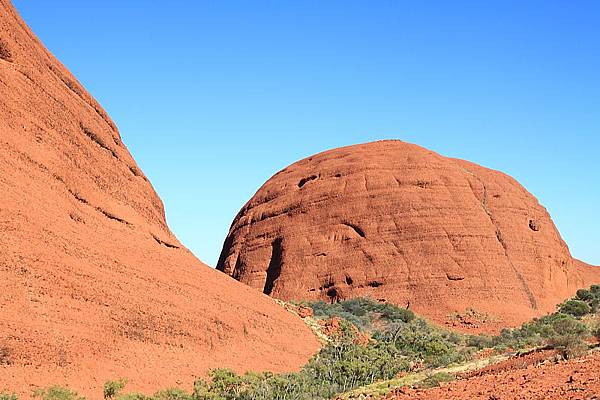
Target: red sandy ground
<point>523,379</point>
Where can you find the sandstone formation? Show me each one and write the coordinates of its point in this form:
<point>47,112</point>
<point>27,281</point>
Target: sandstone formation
<point>399,223</point>
<point>94,285</point>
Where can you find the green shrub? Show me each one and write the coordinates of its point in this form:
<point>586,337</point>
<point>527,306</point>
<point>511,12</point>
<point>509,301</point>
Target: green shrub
<point>480,341</point>
<point>591,297</point>
<point>203,391</point>
<point>8,396</point>
<point>435,380</point>
<point>344,366</point>
<point>134,396</point>
<point>113,388</point>
<point>576,308</point>
<point>595,305</point>
<point>339,366</point>
<point>596,331</point>
<point>568,336</point>
<point>585,295</point>
<point>172,394</point>
<point>57,393</point>
<point>420,340</point>
<point>362,312</point>
<point>226,385</point>
<point>560,331</point>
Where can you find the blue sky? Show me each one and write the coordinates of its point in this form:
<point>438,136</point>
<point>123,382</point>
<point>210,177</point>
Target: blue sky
<point>213,97</point>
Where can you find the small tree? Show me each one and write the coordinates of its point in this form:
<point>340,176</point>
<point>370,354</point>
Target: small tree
<point>576,308</point>
<point>568,336</point>
<point>113,388</point>
<point>585,295</point>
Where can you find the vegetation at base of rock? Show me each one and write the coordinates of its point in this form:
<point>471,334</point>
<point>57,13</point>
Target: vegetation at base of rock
<point>57,393</point>
<point>362,312</point>
<point>393,341</point>
<point>586,301</point>
<point>596,331</point>
<point>113,388</point>
<point>557,330</point>
<point>576,308</point>
<point>425,344</point>
<point>435,380</point>
<point>8,396</point>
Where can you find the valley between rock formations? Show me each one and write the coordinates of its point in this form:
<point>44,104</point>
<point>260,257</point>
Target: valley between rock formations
<point>97,287</point>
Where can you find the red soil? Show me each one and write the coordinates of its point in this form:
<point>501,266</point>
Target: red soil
<point>400,223</point>
<point>94,285</point>
<point>521,378</point>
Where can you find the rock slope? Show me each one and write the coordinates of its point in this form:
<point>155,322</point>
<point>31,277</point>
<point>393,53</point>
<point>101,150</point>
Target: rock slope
<point>94,285</point>
<point>400,223</point>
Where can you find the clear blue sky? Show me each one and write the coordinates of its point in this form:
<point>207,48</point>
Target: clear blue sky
<point>213,97</point>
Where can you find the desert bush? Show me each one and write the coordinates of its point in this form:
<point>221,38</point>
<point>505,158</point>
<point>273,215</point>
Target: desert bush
<point>576,308</point>
<point>113,388</point>
<point>558,330</point>
<point>8,396</point>
<point>339,366</point>
<point>324,310</point>
<point>435,380</point>
<point>172,394</point>
<point>420,341</point>
<point>585,295</point>
<point>568,336</point>
<point>226,385</point>
<point>347,365</point>
<point>479,342</point>
<point>362,312</point>
<point>595,305</point>
<point>134,396</point>
<point>57,393</point>
<point>596,331</point>
<point>589,296</point>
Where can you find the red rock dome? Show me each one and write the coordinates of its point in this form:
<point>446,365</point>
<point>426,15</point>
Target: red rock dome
<point>94,285</point>
<point>400,223</point>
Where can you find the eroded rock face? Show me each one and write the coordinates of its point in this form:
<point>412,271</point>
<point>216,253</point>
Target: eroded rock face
<point>400,223</point>
<point>94,285</point>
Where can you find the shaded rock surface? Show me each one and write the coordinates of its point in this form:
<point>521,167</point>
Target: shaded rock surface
<point>399,223</point>
<point>94,285</point>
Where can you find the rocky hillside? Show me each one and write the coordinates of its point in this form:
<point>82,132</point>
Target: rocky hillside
<point>402,224</point>
<point>94,285</point>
